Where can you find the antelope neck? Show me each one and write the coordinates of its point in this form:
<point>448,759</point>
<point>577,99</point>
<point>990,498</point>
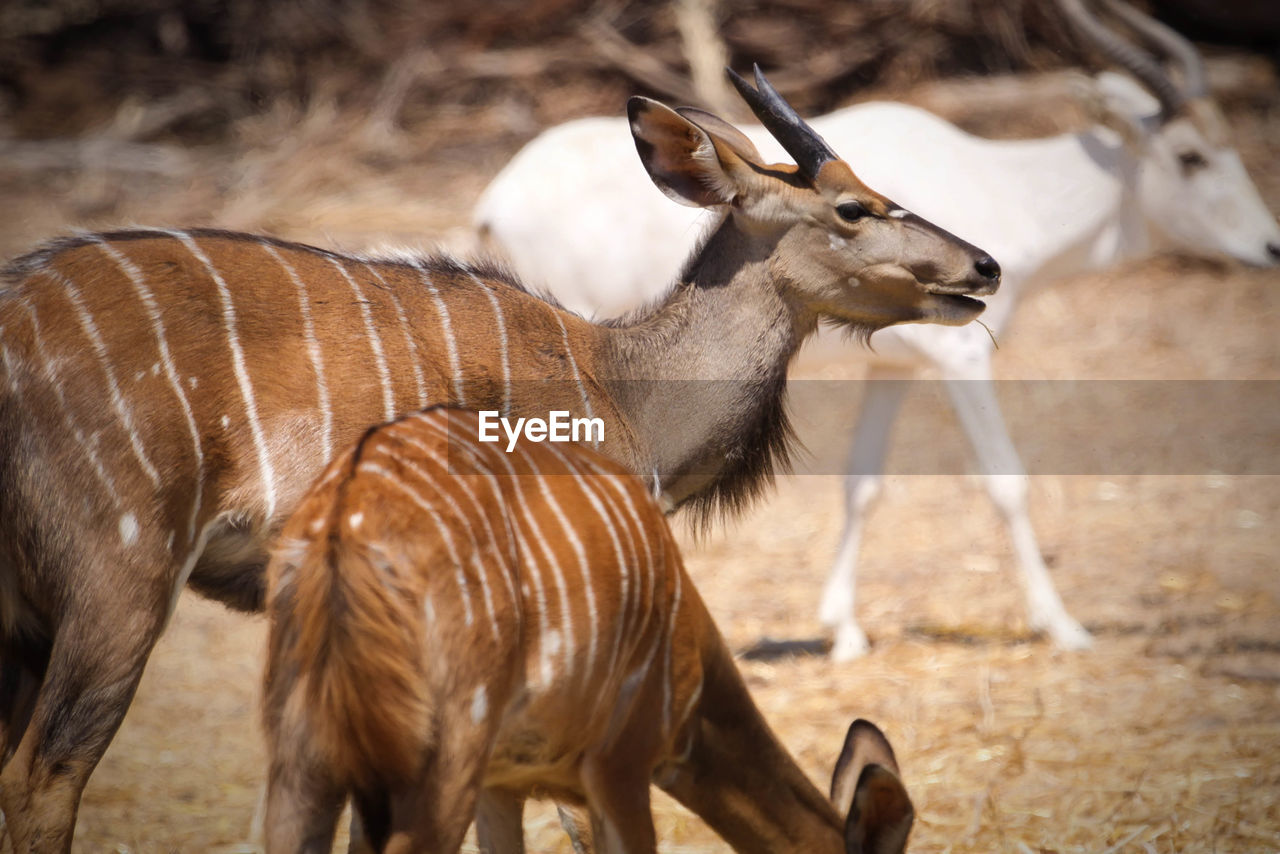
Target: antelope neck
<point>706,371</point>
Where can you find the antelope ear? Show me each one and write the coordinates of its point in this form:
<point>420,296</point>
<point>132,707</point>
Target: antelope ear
<point>863,745</point>
<point>682,158</point>
<point>880,819</point>
<point>722,133</point>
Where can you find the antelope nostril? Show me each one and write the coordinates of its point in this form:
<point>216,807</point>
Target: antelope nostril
<point>1273,249</point>
<point>987,267</point>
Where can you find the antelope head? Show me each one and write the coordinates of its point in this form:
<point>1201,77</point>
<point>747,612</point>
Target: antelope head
<point>843,250</point>
<point>1192,187</point>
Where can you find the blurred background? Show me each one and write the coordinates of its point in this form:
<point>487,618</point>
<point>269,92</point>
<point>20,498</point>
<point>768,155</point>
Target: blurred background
<point>369,124</point>
<point>383,119</point>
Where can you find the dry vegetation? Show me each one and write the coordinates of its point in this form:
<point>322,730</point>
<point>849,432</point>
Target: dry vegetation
<point>364,123</point>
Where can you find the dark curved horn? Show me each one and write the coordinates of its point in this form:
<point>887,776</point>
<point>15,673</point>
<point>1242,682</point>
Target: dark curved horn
<point>808,149</point>
<point>1168,42</point>
<point>1132,59</point>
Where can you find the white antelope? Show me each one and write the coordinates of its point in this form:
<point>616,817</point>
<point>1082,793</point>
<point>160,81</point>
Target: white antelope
<point>455,627</point>
<point>1158,174</point>
<point>167,396</point>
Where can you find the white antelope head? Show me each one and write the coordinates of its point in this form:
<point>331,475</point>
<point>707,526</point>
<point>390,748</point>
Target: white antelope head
<point>1193,189</point>
<point>845,251</point>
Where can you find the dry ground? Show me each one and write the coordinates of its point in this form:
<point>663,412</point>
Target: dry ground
<point>1164,738</point>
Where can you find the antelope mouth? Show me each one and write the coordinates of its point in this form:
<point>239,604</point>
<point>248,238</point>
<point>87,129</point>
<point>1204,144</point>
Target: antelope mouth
<point>952,309</point>
<point>967,289</point>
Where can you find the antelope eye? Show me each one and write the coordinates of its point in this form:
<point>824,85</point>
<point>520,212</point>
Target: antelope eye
<point>851,211</point>
<point>1192,160</point>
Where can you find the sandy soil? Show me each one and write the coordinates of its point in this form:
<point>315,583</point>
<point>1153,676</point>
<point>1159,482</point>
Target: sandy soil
<point>1163,738</point>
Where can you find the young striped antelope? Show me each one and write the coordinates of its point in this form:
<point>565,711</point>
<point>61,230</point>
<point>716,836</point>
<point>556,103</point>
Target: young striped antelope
<point>167,396</point>
<point>454,627</point>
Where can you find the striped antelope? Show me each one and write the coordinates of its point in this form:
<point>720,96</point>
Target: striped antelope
<point>166,397</point>
<point>454,628</point>
<point>1157,173</point>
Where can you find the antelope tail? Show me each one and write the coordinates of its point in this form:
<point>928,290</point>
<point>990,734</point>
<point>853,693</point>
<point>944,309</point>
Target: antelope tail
<point>351,644</point>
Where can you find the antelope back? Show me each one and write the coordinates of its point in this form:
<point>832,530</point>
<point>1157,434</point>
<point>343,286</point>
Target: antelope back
<point>427,566</point>
<point>172,390</point>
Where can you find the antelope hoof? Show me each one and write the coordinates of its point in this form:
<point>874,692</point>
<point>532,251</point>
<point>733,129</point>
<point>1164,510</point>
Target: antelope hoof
<point>850,642</point>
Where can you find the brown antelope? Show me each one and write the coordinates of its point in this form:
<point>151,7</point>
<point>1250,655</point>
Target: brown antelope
<point>454,627</point>
<point>167,396</point>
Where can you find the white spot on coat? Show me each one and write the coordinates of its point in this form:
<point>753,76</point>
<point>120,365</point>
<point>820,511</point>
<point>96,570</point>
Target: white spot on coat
<point>128,529</point>
<point>355,519</point>
<point>479,705</point>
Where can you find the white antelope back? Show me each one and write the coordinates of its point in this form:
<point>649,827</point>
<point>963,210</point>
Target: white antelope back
<point>456,627</point>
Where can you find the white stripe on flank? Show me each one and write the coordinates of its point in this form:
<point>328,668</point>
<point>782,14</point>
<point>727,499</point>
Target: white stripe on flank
<point>573,363</point>
<point>548,642</point>
<point>502,338</point>
<point>170,370</point>
<point>624,581</point>
<point>515,541</point>
<point>313,351</point>
<point>584,566</point>
<point>375,342</point>
<point>113,386</point>
<point>450,344</point>
<point>461,483</point>
<point>529,567</point>
<point>416,498</point>
<point>557,575</point>
<point>89,448</point>
<point>242,373</point>
<point>615,481</point>
<point>418,379</point>
<point>477,551</point>
<point>619,487</point>
<point>644,574</point>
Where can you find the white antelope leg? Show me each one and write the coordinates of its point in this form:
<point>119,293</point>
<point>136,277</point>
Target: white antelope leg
<point>885,388</point>
<point>974,400</point>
